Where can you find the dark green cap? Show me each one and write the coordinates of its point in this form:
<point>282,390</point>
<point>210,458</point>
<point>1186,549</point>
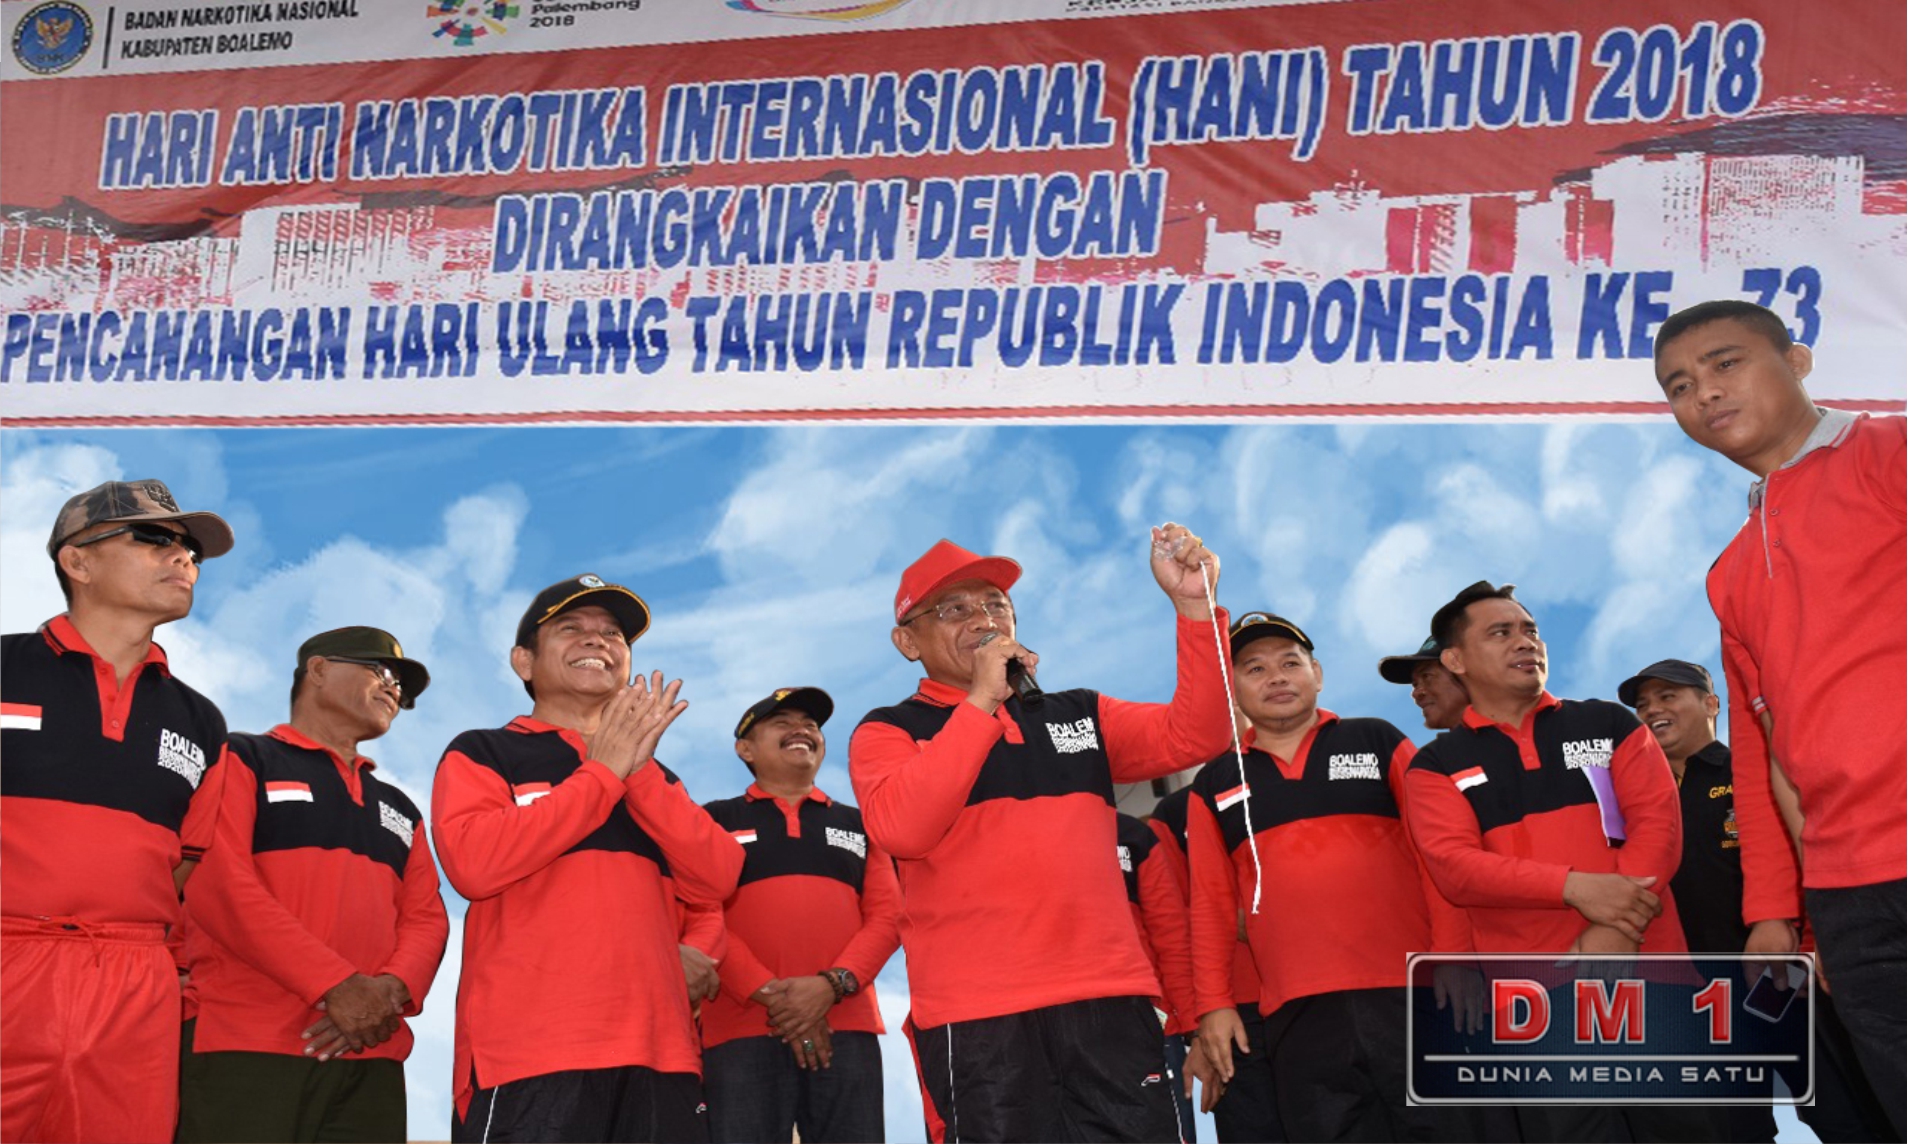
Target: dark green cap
<point>368,643</point>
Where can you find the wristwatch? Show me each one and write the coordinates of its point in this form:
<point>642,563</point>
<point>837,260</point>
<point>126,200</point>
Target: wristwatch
<point>842,981</point>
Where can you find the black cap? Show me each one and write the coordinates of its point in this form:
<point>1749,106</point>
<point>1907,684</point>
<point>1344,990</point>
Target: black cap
<point>1260,625</point>
<point>1678,671</point>
<point>812,700</point>
<point>1445,617</point>
<point>587,590</point>
<point>1400,668</point>
<point>373,644</point>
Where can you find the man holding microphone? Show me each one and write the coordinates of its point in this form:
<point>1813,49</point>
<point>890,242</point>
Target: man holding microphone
<point>1032,1016</point>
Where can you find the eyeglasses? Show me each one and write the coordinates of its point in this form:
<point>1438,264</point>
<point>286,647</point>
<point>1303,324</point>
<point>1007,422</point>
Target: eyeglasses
<point>147,533</point>
<point>386,677</point>
<point>961,611</point>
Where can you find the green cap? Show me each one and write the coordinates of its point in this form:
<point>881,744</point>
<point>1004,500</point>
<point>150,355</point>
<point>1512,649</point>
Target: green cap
<point>368,643</point>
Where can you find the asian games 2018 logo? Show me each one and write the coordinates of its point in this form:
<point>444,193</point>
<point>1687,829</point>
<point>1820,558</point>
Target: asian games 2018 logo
<point>52,37</point>
<point>466,20</point>
<point>818,9</point>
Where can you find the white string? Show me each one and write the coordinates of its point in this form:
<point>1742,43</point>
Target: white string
<point>1238,750</point>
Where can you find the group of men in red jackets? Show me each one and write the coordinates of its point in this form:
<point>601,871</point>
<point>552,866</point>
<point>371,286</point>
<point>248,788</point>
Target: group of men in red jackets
<point>638,967</point>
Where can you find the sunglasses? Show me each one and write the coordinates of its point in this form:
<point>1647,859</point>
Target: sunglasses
<point>153,534</point>
<point>386,676</point>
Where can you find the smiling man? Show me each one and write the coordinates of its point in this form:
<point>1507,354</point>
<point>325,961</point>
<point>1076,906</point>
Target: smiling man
<point>573,843</point>
<point>1553,822</point>
<point>1032,1012</point>
<point>315,927</point>
<point>1813,602</point>
<point>105,807</point>
<point>1304,832</point>
<point>789,1045</point>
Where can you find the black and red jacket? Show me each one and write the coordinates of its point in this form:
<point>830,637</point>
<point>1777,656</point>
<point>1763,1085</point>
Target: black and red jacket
<point>1169,823</point>
<point>570,943</point>
<point>104,788</point>
<point>1345,899</point>
<point>1001,826</point>
<point>322,870</point>
<point>1156,894</point>
<point>1502,814</point>
<point>1811,598</point>
<point>814,894</point>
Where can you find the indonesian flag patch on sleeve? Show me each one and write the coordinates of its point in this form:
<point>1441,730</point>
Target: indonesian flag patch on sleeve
<point>528,793</point>
<point>743,835</point>
<point>19,717</point>
<point>1233,797</point>
<point>1467,779</point>
<point>287,792</point>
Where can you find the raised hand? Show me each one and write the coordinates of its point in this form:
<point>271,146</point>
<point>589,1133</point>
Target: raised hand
<point>1178,557</point>
<point>633,723</point>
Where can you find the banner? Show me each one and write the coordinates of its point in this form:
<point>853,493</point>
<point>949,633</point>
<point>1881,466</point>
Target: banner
<point>322,211</point>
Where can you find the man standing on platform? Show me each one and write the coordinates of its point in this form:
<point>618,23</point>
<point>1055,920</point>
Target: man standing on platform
<point>1306,832</point>
<point>316,925</point>
<point>1553,822</point>
<point>1033,1017</point>
<point>105,808</point>
<point>789,1044</point>
<point>1813,599</point>
<point>572,843</point>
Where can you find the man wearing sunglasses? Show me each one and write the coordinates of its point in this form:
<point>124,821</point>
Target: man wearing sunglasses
<point>1032,996</point>
<point>315,926</point>
<point>105,807</point>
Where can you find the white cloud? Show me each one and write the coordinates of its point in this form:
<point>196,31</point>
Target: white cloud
<point>1359,532</point>
<point>38,480</point>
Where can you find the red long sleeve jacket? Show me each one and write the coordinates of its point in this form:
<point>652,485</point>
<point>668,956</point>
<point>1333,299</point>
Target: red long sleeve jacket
<point>1503,814</point>
<point>1813,605</point>
<point>104,787</point>
<point>321,870</point>
<point>814,894</point>
<point>570,943</point>
<point>1345,898</point>
<point>1001,827</point>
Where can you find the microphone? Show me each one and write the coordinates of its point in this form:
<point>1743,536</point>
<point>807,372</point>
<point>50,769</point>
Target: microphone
<point>1018,679</point>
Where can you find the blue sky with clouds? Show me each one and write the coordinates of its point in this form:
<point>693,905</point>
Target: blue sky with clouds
<point>770,557</point>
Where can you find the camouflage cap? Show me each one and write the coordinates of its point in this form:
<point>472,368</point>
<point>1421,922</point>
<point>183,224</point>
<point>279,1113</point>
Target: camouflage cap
<point>117,501</point>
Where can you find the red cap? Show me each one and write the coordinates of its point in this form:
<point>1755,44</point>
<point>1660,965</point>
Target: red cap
<point>948,563</point>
